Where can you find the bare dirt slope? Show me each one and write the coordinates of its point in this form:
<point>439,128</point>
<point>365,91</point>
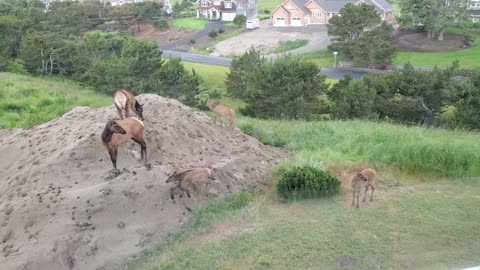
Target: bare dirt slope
<point>62,207</point>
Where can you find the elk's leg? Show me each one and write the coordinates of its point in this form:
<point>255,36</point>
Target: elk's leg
<point>230,122</point>
<point>358,197</point>
<point>113,157</point>
<point>143,148</point>
<point>171,193</point>
<point>365,195</point>
<point>353,197</point>
<point>184,189</point>
<point>371,197</point>
<point>119,111</point>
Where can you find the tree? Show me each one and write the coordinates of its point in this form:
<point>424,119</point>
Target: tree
<point>286,87</point>
<point>240,70</point>
<point>434,15</point>
<point>350,24</point>
<point>353,99</point>
<point>375,46</point>
<point>467,102</point>
<point>240,20</point>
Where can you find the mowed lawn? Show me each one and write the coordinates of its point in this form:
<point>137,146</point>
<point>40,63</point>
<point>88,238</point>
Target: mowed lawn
<point>189,23</point>
<point>210,76</point>
<point>469,58</point>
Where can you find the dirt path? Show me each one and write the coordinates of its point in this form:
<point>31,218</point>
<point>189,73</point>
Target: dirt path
<point>267,38</point>
<point>63,208</point>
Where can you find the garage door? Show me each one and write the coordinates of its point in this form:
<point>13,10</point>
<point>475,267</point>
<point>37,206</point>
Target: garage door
<point>280,21</point>
<point>296,21</point>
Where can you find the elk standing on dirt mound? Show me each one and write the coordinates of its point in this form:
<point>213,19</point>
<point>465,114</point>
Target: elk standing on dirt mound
<point>365,178</point>
<point>221,111</point>
<point>121,131</point>
<point>125,101</point>
<point>187,178</point>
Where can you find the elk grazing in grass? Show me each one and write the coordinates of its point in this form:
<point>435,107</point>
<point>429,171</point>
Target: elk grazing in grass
<point>119,132</point>
<point>188,178</point>
<point>367,178</point>
<point>125,101</point>
<point>221,111</point>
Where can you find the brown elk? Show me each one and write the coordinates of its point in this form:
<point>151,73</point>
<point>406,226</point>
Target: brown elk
<point>367,178</point>
<point>188,178</point>
<point>119,132</point>
<point>221,111</point>
<point>125,101</point>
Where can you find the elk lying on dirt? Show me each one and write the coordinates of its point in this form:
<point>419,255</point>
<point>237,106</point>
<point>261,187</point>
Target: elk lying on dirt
<point>121,131</point>
<point>125,101</point>
<point>188,178</point>
<point>365,178</point>
<point>221,111</point>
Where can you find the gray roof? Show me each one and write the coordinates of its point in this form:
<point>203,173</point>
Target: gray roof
<point>333,5</point>
<point>301,5</point>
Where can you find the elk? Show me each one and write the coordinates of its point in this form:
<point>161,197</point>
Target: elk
<point>125,101</point>
<point>119,132</point>
<point>367,178</point>
<point>221,111</point>
<point>188,178</point>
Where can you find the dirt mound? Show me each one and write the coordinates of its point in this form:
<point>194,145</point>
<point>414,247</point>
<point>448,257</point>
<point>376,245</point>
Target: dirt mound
<point>412,41</point>
<point>62,207</point>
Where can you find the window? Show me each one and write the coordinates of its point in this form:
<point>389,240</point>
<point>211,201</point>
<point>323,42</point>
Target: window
<point>319,14</point>
<point>204,3</point>
<point>280,19</point>
<point>296,18</point>
<point>475,4</point>
<point>227,4</point>
<point>475,19</point>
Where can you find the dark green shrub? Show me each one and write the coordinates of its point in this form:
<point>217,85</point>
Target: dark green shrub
<point>266,11</point>
<point>161,24</point>
<point>247,111</point>
<point>212,34</point>
<point>17,66</point>
<point>240,20</point>
<point>305,182</point>
<point>220,31</point>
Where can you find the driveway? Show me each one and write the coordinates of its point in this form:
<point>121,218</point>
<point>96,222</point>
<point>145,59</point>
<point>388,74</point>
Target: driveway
<point>267,38</point>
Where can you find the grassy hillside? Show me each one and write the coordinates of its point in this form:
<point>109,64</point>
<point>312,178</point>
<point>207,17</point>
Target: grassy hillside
<point>26,101</point>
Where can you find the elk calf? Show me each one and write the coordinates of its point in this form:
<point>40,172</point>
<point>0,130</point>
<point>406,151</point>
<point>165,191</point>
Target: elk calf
<point>221,111</point>
<point>119,132</point>
<point>367,178</point>
<point>188,178</point>
<point>125,101</point>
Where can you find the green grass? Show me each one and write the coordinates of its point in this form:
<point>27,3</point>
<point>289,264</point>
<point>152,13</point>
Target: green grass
<point>27,101</point>
<point>291,45</point>
<point>268,4</point>
<point>211,76</point>
<point>190,23</point>
<point>469,58</point>
<point>322,58</point>
<point>415,150</point>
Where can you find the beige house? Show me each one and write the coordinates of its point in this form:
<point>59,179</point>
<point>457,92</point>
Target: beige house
<point>305,12</point>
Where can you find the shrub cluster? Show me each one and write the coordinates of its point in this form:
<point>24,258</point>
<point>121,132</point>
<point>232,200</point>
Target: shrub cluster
<point>306,182</point>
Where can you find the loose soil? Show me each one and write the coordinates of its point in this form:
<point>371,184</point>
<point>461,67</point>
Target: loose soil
<point>411,41</point>
<point>63,207</point>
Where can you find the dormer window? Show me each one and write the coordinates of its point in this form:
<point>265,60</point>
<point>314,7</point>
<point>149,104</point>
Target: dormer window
<point>204,3</point>
<point>228,4</point>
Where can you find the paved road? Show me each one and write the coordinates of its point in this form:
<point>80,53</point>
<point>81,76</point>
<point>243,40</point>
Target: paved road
<point>332,73</point>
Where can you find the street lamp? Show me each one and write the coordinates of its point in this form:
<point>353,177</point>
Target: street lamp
<point>335,59</point>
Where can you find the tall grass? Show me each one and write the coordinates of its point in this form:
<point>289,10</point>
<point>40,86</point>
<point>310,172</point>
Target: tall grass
<point>417,150</point>
<point>27,101</point>
<point>291,45</point>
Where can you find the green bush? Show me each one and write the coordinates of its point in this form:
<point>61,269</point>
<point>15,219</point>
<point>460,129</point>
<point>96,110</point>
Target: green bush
<point>240,20</point>
<point>305,182</point>
<point>212,34</point>
<point>220,31</point>
<point>161,24</point>
<point>17,67</point>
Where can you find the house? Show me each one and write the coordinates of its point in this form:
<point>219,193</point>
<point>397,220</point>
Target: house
<point>474,10</point>
<point>305,12</point>
<point>226,10</point>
